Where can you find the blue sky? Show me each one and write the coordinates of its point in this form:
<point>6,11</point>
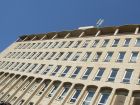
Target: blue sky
<point>19,17</point>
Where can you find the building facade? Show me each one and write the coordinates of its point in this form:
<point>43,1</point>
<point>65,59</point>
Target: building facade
<point>96,66</point>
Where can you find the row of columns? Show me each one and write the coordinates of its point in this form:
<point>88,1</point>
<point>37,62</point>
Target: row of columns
<point>51,101</point>
<point>82,34</point>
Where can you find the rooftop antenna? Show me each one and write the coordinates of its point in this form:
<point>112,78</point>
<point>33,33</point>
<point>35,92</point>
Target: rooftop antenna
<point>99,22</point>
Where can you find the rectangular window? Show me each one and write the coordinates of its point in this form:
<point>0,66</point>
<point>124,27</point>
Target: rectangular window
<point>37,55</point>
<point>48,44</point>
<point>63,93</point>
<point>69,44</point>
<point>95,43</point>
<point>75,95</point>
<point>121,57</point>
<point>85,44</point>
<point>58,56</point>
<point>57,68</point>
<point>31,55</point>
<point>106,41</point>
<point>76,56</point>
<point>32,67</point>
<point>50,56</point>
<point>88,97</point>
<point>55,44</point>
<point>53,90</point>
<point>113,74</point>
<point>39,68</point>
<point>47,69</point>
<point>97,56</point>
<point>103,98</point>
<point>77,44</point>
<point>127,75</point>
<point>44,55</point>
<point>99,74</point>
<point>87,72</point>
<point>126,42</point>
<point>86,56</point>
<point>20,66</point>
<point>42,45</point>
<point>61,44</point>
<point>76,71</point>
<point>108,56</point>
<point>36,45</point>
<point>65,71</point>
<point>134,57</point>
<point>138,42</point>
<point>67,56</point>
<point>115,43</point>
<point>26,67</point>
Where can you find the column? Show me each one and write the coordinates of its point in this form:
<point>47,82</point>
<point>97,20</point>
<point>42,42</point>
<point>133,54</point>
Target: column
<point>111,97</point>
<point>81,34</point>
<point>137,30</point>
<point>127,101</point>
<point>98,33</point>
<point>116,31</point>
<point>32,94</point>
<point>41,97</point>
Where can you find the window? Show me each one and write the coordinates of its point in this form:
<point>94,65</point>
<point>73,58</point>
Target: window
<point>51,55</point>
<point>138,42</point>
<point>61,44</point>
<point>53,90</point>
<point>87,72</point>
<point>69,44</point>
<point>97,56</point>
<point>57,68</point>
<point>55,44</point>
<point>76,71</point>
<point>31,55</point>
<point>76,56</point>
<point>86,43</point>
<point>134,56</point>
<point>63,93</point>
<point>44,55</point>
<point>67,56</point>
<point>32,67</point>
<point>20,66</point>
<point>108,56</point>
<point>127,75</point>
<point>86,56</point>
<point>77,44</point>
<point>126,42</point>
<point>31,45</point>
<point>115,43</point>
<point>99,74</point>
<point>48,44</point>
<point>42,45</point>
<point>113,74</point>
<point>26,55</point>
<point>58,56</point>
<point>39,68</point>
<point>36,45</point>
<point>15,65</point>
<point>95,43</point>
<point>37,55</point>
<point>103,98</point>
<point>88,97</point>
<point>75,95</point>
<point>105,42</point>
<point>47,69</point>
<point>121,56</point>
<point>139,80</point>
<point>25,67</point>
<point>65,71</point>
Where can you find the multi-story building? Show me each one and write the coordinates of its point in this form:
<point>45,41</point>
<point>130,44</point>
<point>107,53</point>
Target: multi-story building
<point>96,66</point>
